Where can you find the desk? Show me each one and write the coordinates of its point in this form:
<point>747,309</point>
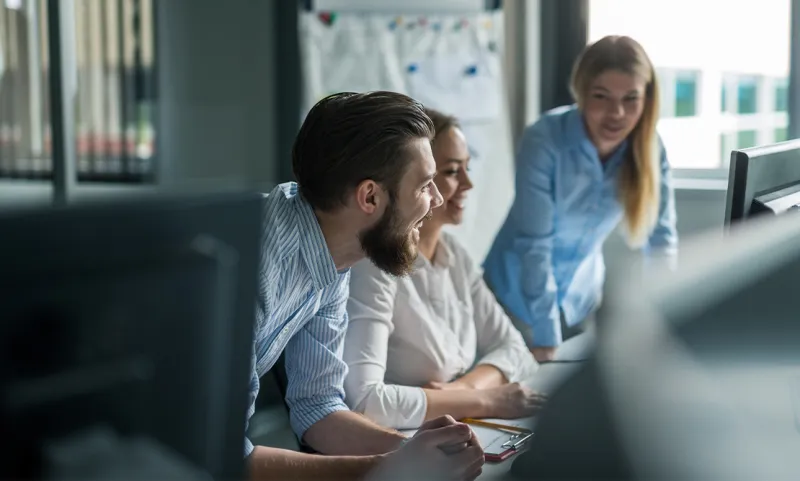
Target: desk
<point>578,348</point>
<point>545,380</point>
<point>548,377</point>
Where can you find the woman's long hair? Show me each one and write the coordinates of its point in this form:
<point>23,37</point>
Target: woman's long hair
<point>639,178</point>
<point>441,122</point>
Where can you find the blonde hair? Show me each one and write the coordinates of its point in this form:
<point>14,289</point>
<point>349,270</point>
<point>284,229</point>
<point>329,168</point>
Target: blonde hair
<point>639,177</point>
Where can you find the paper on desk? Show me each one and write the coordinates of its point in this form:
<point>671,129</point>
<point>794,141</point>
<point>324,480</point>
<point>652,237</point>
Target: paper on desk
<point>492,439</point>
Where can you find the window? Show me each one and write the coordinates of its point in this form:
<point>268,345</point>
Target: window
<point>747,96</point>
<point>686,94</point>
<point>114,125</point>
<point>727,144</point>
<point>782,95</point>
<point>730,141</point>
<point>726,89</point>
<point>724,99</point>
<point>781,134</point>
<point>114,56</point>
<point>24,102</point>
<point>746,138</point>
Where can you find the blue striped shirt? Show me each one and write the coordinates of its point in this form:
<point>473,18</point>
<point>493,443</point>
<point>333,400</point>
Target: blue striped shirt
<point>302,303</point>
<point>548,256</point>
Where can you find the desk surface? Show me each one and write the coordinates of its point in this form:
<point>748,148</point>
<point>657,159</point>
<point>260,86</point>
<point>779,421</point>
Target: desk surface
<point>547,378</point>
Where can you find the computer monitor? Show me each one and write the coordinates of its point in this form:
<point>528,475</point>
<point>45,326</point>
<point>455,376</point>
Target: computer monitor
<point>763,180</point>
<point>696,373</point>
<point>133,318</point>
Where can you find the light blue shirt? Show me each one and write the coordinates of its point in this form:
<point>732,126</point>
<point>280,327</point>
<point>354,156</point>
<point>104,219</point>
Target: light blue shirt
<point>548,256</point>
<point>302,307</point>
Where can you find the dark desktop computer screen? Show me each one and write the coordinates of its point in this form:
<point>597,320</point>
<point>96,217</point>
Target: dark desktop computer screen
<point>763,180</point>
<point>128,324</point>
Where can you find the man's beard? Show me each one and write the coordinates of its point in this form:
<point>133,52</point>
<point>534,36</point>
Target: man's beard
<point>388,246</point>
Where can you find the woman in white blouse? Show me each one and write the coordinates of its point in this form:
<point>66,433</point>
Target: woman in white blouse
<point>435,342</point>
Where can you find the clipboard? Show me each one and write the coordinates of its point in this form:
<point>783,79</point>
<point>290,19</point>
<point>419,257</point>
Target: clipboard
<point>498,444</point>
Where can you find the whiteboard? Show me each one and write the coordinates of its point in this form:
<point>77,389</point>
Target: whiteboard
<point>424,56</point>
<point>400,6</point>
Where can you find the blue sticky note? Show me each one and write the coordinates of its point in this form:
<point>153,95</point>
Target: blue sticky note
<point>412,68</point>
<point>392,25</point>
<point>437,26</point>
<point>471,70</point>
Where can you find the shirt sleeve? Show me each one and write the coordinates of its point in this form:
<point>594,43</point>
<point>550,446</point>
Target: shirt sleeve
<point>262,310</point>
<point>314,365</point>
<point>500,344</point>
<point>663,241</point>
<point>251,409</point>
<point>371,308</point>
<point>534,210</point>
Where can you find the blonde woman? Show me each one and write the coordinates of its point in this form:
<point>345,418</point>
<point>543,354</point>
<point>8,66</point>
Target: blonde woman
<point>581,170</point>
<point>436,341</point>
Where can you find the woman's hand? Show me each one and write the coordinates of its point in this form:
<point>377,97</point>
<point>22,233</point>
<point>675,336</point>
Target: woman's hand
<point>543,354</point>
<point>512,401</point>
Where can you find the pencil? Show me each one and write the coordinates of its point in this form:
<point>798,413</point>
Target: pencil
<point>487,424</point>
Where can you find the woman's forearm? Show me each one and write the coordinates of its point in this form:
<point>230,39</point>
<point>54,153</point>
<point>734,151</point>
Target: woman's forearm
<point>461,403</point>
<point>484,376</point>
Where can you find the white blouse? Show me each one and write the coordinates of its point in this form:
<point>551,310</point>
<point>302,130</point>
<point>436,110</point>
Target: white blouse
<point>434,325</point>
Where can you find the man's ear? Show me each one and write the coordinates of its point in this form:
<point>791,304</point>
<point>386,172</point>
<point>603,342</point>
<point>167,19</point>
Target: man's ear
<point>368,196</point>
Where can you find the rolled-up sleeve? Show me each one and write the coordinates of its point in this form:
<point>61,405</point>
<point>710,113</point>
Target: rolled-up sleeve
<point>534,213</point>
<point>370,309</point>
<point>663,241</point>
<point>314,364</point>
<point>251,409</point>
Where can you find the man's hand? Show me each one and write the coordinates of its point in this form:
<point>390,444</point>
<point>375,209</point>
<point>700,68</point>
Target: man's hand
<point>444,421</point>
<point>441,449</point>
<point>543,354</point>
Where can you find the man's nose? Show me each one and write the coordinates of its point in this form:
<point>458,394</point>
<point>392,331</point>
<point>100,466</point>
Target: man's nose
<point>436,197</point>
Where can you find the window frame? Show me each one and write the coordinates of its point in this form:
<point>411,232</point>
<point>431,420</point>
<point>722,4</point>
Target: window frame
<point>564,26</point>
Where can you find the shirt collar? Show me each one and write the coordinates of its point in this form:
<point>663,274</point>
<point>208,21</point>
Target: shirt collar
<point>443,257</point>
<point>312,242</point>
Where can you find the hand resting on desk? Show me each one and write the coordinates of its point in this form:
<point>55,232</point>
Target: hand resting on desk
<point>441,449</point>
<point>509,401</point>
<point>543,354</point>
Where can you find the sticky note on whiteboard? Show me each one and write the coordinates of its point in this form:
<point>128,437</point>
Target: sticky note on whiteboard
<point>466,86</point>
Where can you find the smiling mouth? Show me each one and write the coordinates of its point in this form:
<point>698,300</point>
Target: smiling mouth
<point>457,203</point>
<point>613,128</point>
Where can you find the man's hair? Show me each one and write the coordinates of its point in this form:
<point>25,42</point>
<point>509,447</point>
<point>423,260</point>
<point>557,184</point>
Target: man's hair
<point>348,137</point>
